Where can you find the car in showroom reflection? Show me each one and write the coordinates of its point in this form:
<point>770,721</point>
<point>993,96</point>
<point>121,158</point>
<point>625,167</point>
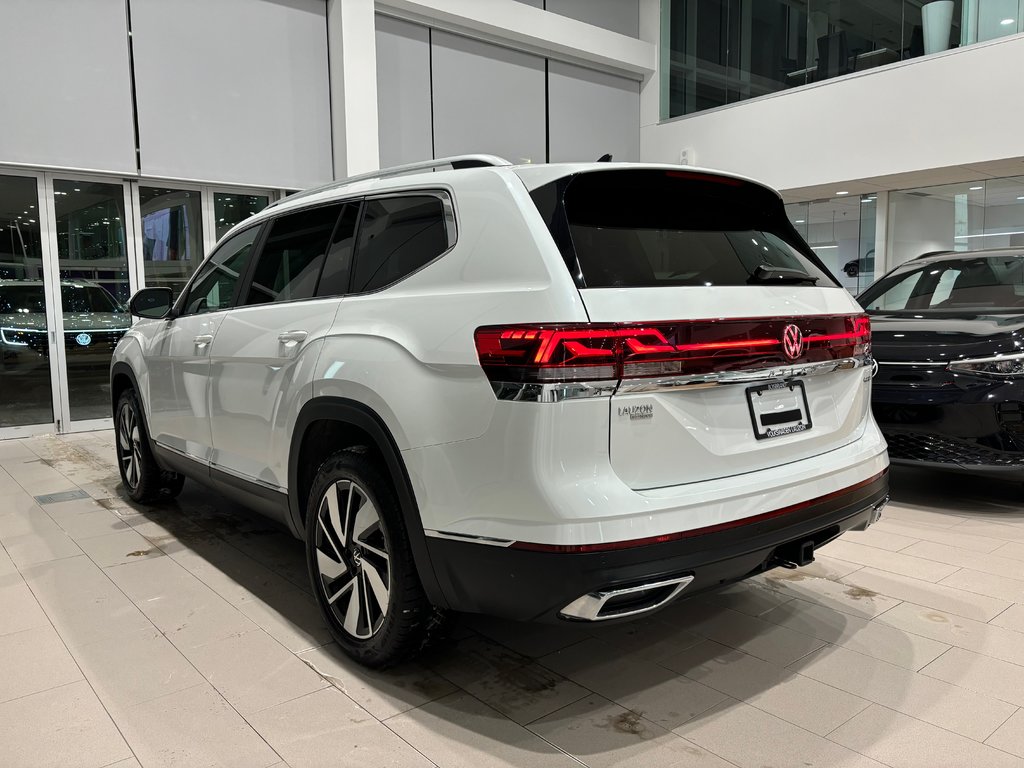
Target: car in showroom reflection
<point>94,321</point>
<point>948,335</point>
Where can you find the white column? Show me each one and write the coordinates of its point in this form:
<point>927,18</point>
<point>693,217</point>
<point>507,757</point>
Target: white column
<point>351,44</point>
<point>882,239</point>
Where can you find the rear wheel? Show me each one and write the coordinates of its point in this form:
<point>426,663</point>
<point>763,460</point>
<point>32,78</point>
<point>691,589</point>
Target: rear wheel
<point>142,477</point>
<point>361,564</point>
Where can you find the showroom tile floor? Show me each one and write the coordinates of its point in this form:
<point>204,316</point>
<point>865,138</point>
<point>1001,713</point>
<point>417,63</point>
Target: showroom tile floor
<point>187,636</point>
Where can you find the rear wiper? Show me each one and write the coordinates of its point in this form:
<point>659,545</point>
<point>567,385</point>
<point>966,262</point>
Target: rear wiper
<point>764,273</point>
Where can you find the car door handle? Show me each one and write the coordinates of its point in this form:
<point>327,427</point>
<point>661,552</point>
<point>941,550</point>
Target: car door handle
<point>290,337</point>
<point>202,339</point>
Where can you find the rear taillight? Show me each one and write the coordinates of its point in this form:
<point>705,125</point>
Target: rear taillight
<point>597,352</point>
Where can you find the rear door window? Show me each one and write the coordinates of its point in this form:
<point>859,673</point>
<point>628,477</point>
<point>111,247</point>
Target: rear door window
<point>337,270</point>
<point>397,236</point>
<point>648,227</point>
<point>292,256</point>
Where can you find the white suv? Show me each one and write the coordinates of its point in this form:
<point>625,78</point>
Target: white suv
<point>565,392</point>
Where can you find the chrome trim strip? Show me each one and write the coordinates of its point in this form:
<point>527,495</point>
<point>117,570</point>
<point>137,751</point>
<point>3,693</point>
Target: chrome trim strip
<point>702,380</point>
<point>890,362</point>
<point>246,478</point>
<point>553,393</point>
<point>488,540</point>
<point>589,606</point>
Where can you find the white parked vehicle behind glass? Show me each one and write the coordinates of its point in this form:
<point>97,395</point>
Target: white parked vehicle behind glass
<point>552,392</point>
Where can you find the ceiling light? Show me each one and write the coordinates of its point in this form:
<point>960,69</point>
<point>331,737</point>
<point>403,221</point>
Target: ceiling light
<point>1006,22</point>
<point>822,247</point>
<point>842,193</point>
<point>975,189</point>
<point>1021,197</point>
<point>799,221</point>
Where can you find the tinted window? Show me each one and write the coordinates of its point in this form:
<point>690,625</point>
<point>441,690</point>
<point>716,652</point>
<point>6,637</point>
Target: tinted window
<point>87,298</point>
<point>291,258</point>
<point>214,286</point>
<point>673,228</point>
<point>397,236</point>
<point>991,284</point>
<point>337,268</point>
<point>26,299</point>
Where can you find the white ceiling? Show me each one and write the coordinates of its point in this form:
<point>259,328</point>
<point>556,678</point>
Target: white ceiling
<point>996,169</point>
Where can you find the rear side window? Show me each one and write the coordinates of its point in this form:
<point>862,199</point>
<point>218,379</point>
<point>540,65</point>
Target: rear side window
<point>647,228</point>
<point>292,256</point>
<point>397,236</point>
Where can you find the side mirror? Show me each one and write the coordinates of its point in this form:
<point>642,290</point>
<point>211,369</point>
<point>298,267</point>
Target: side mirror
<point>151,303</point>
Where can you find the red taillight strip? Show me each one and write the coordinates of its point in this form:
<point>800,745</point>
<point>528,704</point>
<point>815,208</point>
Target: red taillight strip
<point>611,546</point>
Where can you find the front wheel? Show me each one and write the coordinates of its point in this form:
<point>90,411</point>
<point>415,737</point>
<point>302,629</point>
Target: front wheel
<point>361,564</point>
<point>141,476</point>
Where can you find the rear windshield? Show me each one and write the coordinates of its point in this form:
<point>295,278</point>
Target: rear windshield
<point>989,284</point>
<point>649,227</point>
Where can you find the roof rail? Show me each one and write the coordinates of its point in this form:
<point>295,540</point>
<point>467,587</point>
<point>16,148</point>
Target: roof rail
<point>457,163</point>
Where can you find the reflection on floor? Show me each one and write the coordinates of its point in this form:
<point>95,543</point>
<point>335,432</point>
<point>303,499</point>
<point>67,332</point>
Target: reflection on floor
<point>187,636</point>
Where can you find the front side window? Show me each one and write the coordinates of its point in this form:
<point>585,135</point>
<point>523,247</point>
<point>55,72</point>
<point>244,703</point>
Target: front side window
<point>214,286</point>
<point>988,284</point>
<point>292,256</point>
<point>397,236</point>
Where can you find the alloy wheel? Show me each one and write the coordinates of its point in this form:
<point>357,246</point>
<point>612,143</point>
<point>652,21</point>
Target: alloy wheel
<point>129,451</point>
<point>352,559</point>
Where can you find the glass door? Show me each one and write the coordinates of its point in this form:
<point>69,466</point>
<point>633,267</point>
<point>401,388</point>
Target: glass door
<point>93,270</point>
<point>29,394</point>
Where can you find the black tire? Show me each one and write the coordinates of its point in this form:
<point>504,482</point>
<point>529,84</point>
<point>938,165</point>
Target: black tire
<point>361,564</point>
<point>141,476</point>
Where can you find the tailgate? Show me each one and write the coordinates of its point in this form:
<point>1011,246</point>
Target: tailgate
<point>735,348</point>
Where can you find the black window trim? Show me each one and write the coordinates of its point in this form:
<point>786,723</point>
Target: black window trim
<point>450,225</point>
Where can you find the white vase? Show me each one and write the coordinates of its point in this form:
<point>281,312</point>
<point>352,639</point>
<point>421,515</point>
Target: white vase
<point>936,20</point>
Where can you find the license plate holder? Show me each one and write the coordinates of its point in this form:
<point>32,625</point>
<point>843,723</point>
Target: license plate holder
<point>778,409</point>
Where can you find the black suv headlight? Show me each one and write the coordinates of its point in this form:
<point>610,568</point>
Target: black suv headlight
<point>14,337</point>
<point>1001,366</point>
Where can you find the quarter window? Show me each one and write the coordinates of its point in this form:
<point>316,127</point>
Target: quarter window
<point>214,286</point>
<point>292,256</point>
<point>397,236</point>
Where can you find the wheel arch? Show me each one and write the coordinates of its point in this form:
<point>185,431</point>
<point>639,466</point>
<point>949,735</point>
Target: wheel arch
<point>328,424</point>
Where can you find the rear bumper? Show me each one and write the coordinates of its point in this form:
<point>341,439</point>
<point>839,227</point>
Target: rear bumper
<point>530,585</point>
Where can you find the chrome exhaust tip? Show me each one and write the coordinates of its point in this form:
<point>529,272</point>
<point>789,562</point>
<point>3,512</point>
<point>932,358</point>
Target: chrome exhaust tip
<point>621,602</point>
<point>876,511</point>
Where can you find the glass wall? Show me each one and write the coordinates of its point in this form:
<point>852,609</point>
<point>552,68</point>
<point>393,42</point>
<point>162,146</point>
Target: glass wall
<point>172,235</point>
<point>842,232</point>
<point>230,208</point>
<point>94,288</point>
<point>718,52</point>
<point>26,396</point>
<point>956,217</point>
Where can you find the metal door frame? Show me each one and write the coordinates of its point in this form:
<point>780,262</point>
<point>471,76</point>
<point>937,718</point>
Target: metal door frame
<point>64,423</point>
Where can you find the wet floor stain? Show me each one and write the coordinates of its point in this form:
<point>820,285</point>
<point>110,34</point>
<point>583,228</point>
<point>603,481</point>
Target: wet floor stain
<point>785,575</point>
<point>938,618</point>
<point>858,593</point>
<point>627,722</point>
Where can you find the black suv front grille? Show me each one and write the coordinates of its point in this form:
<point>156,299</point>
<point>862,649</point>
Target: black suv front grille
<point>940,449</point>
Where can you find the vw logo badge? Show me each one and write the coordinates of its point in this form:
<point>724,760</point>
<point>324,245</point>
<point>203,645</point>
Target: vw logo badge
<point>792,342</point>
<point>83,339</point>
